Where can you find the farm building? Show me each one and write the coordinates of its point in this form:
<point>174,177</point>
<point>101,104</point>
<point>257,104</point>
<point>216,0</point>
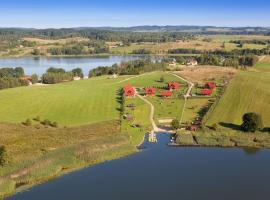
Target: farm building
<point>210,85</point>
<point>150,91</point>
<point>173,86</point>
<point>206,92</point>
<point>129,91</point>
<point>27,79</point>
<point>167,93</point>
<point>191,62</point>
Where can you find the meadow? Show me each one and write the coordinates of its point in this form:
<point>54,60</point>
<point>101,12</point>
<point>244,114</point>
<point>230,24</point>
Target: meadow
<point>249,91</point>
<point>69,104</point>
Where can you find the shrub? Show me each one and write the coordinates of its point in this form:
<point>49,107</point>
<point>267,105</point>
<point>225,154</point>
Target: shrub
<point>54,124</point>
<point>161,79</point>
<point>175,124</point>
<point>214,127</point>
<point>251,122</point>
<point>3,155</point>
<point>46,122</point>
<point>37,118</point>
<point>27,122</point>
<point>34,78</point>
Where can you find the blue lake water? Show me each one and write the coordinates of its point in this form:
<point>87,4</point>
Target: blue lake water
<point>160,172</point>
<point>39,65</point>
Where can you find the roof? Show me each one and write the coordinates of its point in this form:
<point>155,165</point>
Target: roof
<point>150,90</point>
<point>211,84</point>
<point>129,90</point>
<point>173,85</point>
<point>206,91</point>
<point>166,93</point>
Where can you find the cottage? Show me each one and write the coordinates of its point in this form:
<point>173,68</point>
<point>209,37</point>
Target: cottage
<point>150,91</point>
<point>210,85</point>
<point>166,93</point>
<point>191,62</point>
<point>76,78</point>
<point>173,86</point>
<point>129,91</point>
<point>206,92</point>
<point>27,79</point>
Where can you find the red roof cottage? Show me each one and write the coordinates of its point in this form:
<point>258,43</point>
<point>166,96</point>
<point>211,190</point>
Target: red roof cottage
<point>210,85</point>
<point>173,86</point>
<point>166,93</point>
<point>206,92</point>
<point>129,91</point>
<point>150,91</point>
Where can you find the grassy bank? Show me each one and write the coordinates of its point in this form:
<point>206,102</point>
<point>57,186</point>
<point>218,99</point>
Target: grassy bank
<point>38,154</point>
<point>223,138</point>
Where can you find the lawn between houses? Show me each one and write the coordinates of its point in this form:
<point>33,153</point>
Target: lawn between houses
<point>249,91</point>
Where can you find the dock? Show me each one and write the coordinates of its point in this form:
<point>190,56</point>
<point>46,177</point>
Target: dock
<point>152,137</point>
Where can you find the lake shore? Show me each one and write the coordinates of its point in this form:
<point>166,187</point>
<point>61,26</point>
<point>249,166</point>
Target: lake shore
<point>228,138</point>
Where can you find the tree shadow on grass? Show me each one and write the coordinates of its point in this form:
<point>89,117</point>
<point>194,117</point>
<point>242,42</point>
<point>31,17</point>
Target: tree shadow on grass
<point>230,125</point>
<point>266,130</point>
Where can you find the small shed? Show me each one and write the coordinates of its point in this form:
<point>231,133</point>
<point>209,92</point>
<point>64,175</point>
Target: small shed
<point>150,91</point>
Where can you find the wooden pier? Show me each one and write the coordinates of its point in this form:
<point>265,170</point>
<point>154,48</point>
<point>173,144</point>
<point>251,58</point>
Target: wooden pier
<point>152,137</point>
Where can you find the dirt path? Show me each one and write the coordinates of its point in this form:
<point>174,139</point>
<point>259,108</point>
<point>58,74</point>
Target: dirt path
<point>151,116</point>
<point>152,112</point>
<point>187,95</point>
<point>261,58</point>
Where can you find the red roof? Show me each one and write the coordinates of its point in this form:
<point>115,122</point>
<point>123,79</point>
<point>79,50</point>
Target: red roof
<point>150,91</point>
<point>173,85</point>
<point>206,92</point>
<point>129,90</point>
<point>210,85</point>
<point>166,93</point>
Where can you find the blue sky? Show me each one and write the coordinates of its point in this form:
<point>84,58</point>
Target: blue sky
<point>89,13</point>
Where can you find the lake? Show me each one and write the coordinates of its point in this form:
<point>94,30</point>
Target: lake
<point>39,65</point>
<point>161,172</point>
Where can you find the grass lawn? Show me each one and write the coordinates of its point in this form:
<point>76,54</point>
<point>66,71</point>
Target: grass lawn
<point>70,104</point>
<point>249,91</point>
<point>193,107</point>
<point>140,114</point>
<point>153,80</point>
<point>167,108</point>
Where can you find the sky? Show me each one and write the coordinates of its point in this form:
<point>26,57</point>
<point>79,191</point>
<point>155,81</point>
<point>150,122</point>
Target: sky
<point>124,13</point>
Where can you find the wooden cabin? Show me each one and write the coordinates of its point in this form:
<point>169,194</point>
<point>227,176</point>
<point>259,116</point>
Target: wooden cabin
<point>210,85</point>
<point>150,91</point>
<point>166,93</point>
<point>206,92</point>
<point>173,86</point>
<point>129,91</point>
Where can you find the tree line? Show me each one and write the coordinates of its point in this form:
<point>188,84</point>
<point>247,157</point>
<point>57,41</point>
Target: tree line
<point>58,75</point>
<point>134,67</point>
<point>13,77</point>
<point>235,52</point>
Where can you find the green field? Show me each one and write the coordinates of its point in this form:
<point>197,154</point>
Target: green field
<point>73,103</point>
<point>249,91</point>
